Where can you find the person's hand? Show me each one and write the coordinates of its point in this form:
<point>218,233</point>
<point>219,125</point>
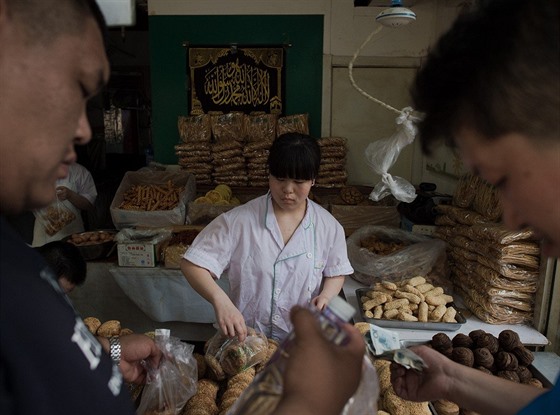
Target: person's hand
<point>320,301</point>
<point>230,319</point>
<point>136,348</point>
<point>320,376</point>
<point>62,192</point>
<point>430,384</point>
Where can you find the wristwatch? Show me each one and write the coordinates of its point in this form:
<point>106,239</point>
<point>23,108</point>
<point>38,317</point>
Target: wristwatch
<point>115,349</point>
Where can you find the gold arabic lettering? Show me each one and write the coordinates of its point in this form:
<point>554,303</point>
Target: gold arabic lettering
<point>235,84</point>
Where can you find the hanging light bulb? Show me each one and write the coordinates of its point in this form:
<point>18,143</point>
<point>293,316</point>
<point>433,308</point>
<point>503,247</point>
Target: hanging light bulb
<point>396,15</point>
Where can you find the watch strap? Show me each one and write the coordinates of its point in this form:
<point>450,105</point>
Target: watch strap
<point>115,349</point>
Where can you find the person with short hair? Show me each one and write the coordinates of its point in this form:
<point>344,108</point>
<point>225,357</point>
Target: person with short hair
<point>67,262</point>
<point>52,60</point>
<point>491,88</point>
<point>278,250</point>
<point>76,194</point>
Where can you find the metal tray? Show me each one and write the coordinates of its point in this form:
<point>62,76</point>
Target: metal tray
<point>414,325</point>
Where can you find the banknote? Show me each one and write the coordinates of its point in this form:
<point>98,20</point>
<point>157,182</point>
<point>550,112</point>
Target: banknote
<point>385,344</point>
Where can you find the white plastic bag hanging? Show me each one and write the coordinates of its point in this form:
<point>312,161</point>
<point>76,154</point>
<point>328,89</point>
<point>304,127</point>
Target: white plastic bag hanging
<point>382,154</point>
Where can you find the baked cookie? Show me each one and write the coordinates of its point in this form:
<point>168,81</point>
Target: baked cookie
<point>351,195</point>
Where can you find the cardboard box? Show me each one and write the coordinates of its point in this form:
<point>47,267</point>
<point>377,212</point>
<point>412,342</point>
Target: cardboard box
<point>136,255</point>
<point>141,247</point>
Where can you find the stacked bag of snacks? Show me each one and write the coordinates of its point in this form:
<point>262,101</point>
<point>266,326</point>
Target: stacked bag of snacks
<point>194,150</point>
<point>332,171</point>
<point>297,123</point>
<point>495,270</point>
<point>261,132</point>
<point>228,161</point>
<point>233,148</point>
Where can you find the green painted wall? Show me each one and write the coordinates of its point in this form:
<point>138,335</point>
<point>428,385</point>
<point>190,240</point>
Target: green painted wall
<point>168,63</point>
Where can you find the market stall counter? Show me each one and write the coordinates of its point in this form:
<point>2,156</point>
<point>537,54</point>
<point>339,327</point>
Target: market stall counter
<point>529,336</point>
<point>144,299</point>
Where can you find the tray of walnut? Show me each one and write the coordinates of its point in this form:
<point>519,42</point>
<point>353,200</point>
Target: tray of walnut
<point>407,306</point>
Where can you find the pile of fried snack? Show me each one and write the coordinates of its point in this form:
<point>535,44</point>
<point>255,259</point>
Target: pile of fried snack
<point>151,197</point>
<point>413,299</point>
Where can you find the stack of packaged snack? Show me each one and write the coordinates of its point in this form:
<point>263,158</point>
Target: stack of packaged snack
<point>494,270</point>
<point>332,171</point>
<point>194,150</point>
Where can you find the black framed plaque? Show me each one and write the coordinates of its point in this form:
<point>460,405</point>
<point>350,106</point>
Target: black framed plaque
<point>233,78</point>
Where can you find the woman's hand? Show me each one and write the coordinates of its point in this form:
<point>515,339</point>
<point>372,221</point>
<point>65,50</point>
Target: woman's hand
<point>230,319</point>
<point>320,301</point>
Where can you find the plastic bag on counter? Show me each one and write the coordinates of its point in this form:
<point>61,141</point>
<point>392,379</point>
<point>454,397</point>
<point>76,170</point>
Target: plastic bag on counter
<point>382,154</point>
<point>169,386</point>
<point>152,236</point>
<point>54,217</point>
<point>414,255</point>
<point>228,356</point>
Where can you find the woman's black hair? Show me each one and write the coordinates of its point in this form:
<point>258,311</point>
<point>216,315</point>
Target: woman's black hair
<point>294,156</point>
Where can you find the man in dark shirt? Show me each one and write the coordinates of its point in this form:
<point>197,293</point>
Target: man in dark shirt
<point>52,60</point>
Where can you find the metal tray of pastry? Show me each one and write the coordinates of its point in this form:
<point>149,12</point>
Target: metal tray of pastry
<point>414,325</point>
